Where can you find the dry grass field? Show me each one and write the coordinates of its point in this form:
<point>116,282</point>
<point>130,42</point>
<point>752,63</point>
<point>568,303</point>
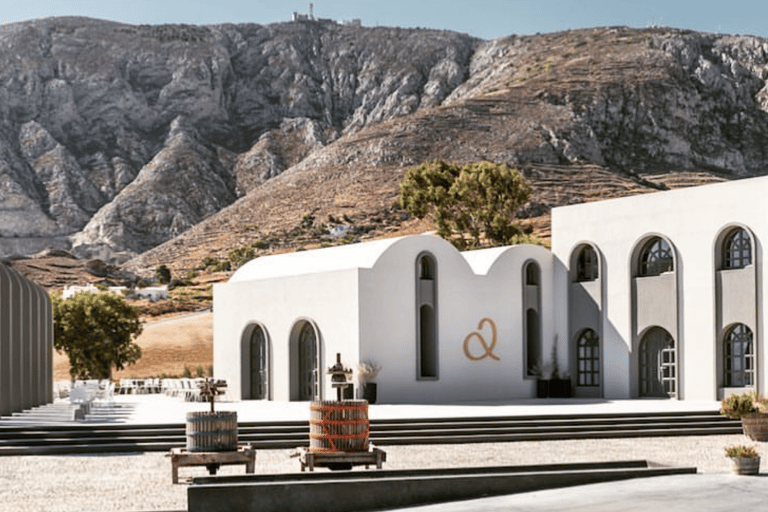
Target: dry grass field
<point>168,344</point>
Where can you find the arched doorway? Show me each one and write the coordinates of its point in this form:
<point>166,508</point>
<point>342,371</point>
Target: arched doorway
<point>658,364</point>
<point>309,374</point>
<point>259,365</point>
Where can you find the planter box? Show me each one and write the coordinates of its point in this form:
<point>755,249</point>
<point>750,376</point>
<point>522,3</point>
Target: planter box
<point>755,426</point>
<point>542,388</point>
<point>745,466</point>
<point>369,392</point>
<point>560,388</point>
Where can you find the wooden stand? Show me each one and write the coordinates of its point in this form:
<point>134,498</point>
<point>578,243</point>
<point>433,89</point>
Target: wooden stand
<point>341,460</point>
<point>211,460</point>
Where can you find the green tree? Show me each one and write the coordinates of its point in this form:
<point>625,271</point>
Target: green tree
<point>96,331</point>
<point>473,205</point>
<point>163,274</point>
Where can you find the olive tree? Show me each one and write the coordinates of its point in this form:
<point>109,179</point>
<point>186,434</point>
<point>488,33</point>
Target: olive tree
<point>472,205</point>
<point>96,331</point>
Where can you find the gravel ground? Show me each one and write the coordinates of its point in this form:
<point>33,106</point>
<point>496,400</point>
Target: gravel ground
<point>142,482</point>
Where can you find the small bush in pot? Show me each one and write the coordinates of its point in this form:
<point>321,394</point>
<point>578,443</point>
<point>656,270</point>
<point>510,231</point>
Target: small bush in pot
<point>367,371</point>
<point>740,451</point>
<point>745,459</point>
<point>752,409</point>
<point>737,406</point>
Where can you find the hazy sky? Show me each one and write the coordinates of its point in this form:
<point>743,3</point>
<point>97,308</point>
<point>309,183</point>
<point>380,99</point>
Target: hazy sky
<point>483,18</point>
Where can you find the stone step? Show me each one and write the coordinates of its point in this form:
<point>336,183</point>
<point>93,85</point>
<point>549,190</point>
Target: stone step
<point>104,438</point>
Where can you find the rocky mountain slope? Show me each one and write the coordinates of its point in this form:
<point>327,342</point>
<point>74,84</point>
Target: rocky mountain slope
<point>182,141</point>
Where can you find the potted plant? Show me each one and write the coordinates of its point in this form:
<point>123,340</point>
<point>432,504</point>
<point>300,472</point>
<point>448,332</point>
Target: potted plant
<point>745,459</point>
<point>367,371</point>
<point>752,410</point>
<point>560,384</point>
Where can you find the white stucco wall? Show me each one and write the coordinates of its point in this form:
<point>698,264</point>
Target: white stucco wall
<point>388,322</point>
<point>368,311</point>
<point>691,219</point>
<point>277,304</point>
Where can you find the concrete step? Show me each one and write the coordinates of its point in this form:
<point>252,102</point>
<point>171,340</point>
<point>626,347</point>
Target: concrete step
<point>82,438</point>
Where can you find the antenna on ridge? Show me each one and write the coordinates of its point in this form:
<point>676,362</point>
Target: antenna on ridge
<point>311,16</point>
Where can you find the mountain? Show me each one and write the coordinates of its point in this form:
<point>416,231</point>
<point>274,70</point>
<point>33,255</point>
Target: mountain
<point>177,141</point>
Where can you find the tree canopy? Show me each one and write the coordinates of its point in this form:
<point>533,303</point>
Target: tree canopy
<point>473,205</point>
<point>96,331</point>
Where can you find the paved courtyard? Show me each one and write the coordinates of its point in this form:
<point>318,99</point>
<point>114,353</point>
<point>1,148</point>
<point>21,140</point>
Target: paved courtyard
<point>142,482</point>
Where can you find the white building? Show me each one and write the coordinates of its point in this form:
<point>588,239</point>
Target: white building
<point>671,283</point>
<point>652,295</point>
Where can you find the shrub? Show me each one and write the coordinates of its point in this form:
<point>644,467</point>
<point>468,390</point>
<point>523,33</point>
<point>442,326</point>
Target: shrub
<point>176,283</point>
<point>187,373</point>
<point>163,274</point>
<point>741,451</point>
<point>200,371</point>
<point>241,255</point>
<point>736,406</point>
<point>207,263</point>
<point>307,221</point>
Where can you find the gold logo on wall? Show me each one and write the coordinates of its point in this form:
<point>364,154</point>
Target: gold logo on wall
<point>488,349</point>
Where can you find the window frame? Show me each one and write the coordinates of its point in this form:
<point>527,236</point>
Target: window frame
<point>590,341</point>
<point>742,335</point>
<point>426,274</point>
<point>657,257</point>
<point>737,249</point>
<point>587,265</point>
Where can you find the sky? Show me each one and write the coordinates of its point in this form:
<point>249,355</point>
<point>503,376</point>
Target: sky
<point>486,19</point>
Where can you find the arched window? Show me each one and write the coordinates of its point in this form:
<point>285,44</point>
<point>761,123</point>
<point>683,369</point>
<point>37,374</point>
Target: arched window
<point>532,321</point>
<point>426,268</point>
<point>426,317</point>
<point>259,377</point>
<point>309,375</point>
<point>656,258</point>
<point>532,341</point>
<point>737,249</point>
<point>586,265</point>
<point>588,358</point>
<point>739,354</point>
<point>532,274</point>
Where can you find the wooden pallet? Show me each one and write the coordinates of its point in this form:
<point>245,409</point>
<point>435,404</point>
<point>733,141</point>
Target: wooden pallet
<point>211,460</point>
<point>341,460</point>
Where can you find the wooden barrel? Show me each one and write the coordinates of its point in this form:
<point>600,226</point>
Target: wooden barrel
<point>755,426</point>
<point>338,426</point>
<point>212,431</point>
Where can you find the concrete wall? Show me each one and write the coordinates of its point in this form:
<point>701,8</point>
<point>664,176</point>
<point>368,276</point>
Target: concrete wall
<point>26,344</point>
<point>692,220</point>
